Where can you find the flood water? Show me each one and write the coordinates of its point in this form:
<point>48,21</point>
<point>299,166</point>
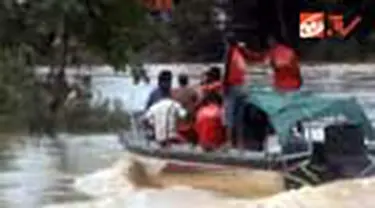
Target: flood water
<point>38,172</point>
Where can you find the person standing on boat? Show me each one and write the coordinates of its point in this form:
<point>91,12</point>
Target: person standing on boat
<point>163,89</point>
<point>209,125</point>
<point>233,82</point>
<point>188,98</point>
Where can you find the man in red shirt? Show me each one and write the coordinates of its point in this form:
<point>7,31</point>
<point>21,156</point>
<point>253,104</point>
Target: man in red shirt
<point>213,84</point>
<point>213,81</point>
<point>234,80</point>
<point>208,124</point>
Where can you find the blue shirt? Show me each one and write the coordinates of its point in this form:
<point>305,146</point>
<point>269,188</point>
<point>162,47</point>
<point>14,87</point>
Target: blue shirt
<point>156,95</point>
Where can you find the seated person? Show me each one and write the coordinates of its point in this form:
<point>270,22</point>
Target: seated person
<point>163,117</point>
<point>213,81</point>
<point>188,98</point>
<point>185,94</point>
<point>213,84</point>
<point>208,124</point>
<point>164,87</point>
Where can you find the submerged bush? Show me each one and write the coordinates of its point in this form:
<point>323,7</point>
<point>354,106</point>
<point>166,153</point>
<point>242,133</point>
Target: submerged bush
<point>24,103</point>
<point>83,118</point>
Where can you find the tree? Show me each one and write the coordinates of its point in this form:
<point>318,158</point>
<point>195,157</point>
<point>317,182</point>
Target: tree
<point>60,33</point>
<point>55,30</point>
<point>190,36</point>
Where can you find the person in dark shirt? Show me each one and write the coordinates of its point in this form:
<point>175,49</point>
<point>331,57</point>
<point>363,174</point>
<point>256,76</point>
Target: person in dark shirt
<point>163,88</point>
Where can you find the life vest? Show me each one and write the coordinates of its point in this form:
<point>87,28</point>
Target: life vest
<point>235,67</point>
<point>286,68</point>
<point>209,126</point>
<point>236,64</point>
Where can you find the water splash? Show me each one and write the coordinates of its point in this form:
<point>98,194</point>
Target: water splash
<point>129,183</point>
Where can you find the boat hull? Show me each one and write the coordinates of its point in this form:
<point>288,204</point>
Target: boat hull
<point>185,161</point>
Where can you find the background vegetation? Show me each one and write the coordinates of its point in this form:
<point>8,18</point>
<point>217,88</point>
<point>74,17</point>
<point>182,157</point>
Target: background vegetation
<point>193,34</point>
<point>59,34</point>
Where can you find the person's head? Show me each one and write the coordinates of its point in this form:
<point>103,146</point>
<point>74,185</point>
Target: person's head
<point>212,97</point>
<point>183,80</point>
<point>165,80</point>
<point>214,74</point>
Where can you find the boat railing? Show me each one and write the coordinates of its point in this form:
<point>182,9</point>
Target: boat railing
<point>313,131</point>
<point>138,139</point>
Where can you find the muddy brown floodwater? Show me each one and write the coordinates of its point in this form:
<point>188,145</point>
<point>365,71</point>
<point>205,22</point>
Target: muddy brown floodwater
<point>35,172</point>
<point>234,183</point>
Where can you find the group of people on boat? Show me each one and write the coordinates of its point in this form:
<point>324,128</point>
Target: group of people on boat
<point>215,113</point>
<point>190,114</point>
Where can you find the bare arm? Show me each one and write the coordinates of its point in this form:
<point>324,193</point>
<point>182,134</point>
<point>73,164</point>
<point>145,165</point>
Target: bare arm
<point>181,112</point>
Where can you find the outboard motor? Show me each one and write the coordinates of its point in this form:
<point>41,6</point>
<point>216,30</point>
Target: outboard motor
<point>345,150</point>
<point>343,155</point>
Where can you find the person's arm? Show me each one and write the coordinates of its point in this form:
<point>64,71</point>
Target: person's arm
<point>215,86</point>
<point>181,111</point>
<point>148,119</point>
<point>150,99</point>
<point>195,97</point>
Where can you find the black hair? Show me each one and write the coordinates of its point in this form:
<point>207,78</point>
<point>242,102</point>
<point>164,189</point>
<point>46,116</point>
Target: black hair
<point>214,73</point>
<point>212,97</point>
<point>165,75</point>
<point>183,80</point>
<point>165,81</point>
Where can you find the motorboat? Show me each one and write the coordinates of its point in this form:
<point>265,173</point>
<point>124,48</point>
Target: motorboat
<point>283,150</point>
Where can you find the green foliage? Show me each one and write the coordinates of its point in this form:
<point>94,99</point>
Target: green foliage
<point>81,118</point>
<point>23,103</point>
<point>59,33</point>
<point>116,29</point>
<point>16,88</point>
<point>107,29</point>
<point>190,36</point>
<point>194,30</point>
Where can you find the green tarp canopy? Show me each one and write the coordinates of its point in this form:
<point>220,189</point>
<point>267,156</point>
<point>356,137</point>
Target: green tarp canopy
<point>286,109</point>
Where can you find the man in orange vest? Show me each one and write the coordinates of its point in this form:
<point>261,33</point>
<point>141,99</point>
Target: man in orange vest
<point>286,70</point>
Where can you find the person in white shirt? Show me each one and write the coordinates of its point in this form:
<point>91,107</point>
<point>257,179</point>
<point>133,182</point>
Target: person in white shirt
<point>163,117</point>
